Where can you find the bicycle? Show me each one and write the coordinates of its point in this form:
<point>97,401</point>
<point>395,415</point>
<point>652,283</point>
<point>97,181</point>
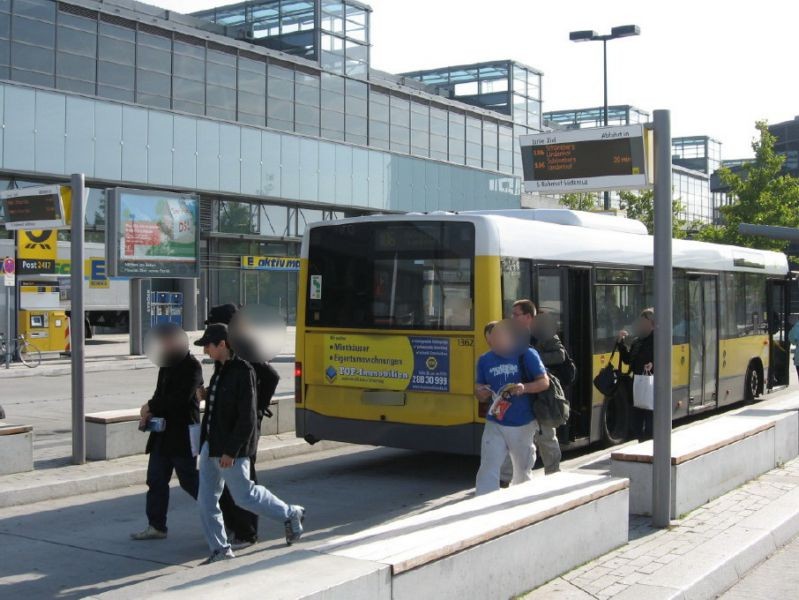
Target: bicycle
<point>28,354</point>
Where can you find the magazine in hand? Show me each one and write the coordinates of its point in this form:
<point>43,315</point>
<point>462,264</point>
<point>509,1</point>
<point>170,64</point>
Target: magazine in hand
<point>501,401</point>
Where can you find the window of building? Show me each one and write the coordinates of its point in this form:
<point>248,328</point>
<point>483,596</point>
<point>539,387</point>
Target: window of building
<point>252,90</point>
<point>76,56</point>
<point>356,105</point>
<point>5,39</point>
<point>154,68</point>
<point>439,133</point>
<point>332,55</point>
<point>332,106</point>
<point>474,142</point>
<point>400,131</point>
<point>33,42</point>
<point>274,220</point>
<point>307,98</point>
<point>220,86</point>
<point>238,217</point>
<point>280,97</point>
<point>505,148</point>
<point>188,75</point>
<point>378,119</point>
<point>490,145</point>
<point>457,137</point>
<point>420,128</point>
<point>116,50</point>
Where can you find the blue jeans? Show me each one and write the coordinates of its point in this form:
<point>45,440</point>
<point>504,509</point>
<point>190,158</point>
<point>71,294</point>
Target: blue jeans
<point>254,498</point>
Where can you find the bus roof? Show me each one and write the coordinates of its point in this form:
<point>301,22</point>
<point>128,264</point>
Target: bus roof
<point>549,235</point>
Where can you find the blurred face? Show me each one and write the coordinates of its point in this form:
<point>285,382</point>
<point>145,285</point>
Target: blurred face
<point>216,352</point>
<point>502,340</point>
<point>523,319</point>
<point>643,326</point>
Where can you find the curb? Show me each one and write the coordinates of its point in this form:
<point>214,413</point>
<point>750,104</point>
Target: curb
<point>78,483</point>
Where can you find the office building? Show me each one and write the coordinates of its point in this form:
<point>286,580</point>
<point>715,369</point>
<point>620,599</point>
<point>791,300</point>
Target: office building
<point>269,110</point>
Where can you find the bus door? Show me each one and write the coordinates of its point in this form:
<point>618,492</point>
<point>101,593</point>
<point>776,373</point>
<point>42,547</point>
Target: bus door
<point>565,293</point>
<point>778,327</point>
<point>703,334</point>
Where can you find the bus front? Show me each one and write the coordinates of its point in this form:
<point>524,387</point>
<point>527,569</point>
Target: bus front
<point>386,334</point>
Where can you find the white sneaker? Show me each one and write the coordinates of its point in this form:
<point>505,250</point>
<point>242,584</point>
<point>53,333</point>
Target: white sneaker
<point>293,525</point>
<point>219,556</point>
<point>151,533</point>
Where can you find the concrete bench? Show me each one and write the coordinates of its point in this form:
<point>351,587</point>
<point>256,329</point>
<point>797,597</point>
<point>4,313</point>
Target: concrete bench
<point>282,421</point>
<point>497,545</point>
<point>16,448</point>
<point>113,434</point>
<point>711,458</point>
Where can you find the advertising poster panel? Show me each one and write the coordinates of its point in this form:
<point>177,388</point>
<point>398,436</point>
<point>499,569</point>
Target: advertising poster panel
<point>153,234</point>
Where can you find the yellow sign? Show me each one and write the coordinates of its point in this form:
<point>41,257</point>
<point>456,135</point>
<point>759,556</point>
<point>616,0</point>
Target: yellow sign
<point>388,362</point>
<point>270,263</point>
<point>36,251</point>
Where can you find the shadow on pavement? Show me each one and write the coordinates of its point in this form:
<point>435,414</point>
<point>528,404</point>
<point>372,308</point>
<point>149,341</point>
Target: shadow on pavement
<point>81,546</point>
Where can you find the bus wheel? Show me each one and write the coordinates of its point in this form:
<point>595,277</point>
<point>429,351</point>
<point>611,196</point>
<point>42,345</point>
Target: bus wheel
<point>616,417</point>
<point>753,382</point>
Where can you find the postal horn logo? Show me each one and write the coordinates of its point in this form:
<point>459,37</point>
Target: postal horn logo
<point>38,239</point>
<point>330,374</point>
<point>431,363</point>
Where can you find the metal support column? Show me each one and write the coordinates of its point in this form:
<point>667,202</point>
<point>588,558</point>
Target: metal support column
<point>661,471</point>
<point>605,105</point>
<point>77,326</point>
<point>135,326</point>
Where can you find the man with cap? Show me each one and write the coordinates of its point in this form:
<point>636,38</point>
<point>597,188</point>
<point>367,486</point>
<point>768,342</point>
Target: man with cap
<point>175,401</point>
<point>227,440</point>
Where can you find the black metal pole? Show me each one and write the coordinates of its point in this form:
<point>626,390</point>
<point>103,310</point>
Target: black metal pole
<point>605,111</point>
<point>77,327</point>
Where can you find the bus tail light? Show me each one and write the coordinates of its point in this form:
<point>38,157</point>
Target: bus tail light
<point>298,383</point>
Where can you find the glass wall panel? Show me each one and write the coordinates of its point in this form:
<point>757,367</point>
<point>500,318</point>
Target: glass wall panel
<point>420,129</point>
<point>76,56</point>
<point>356,106</point>
<point>457,137</point>
<point>274,220</point>
<point>505,148</point>
<point>438,133</point>
<point>332,107</point>
<point>474,142</point>
<point>5,39</point>
<point>490,145</point>
<point>220,86</point>
<point>33,42</point>
<point>307,94</point>
<point>400,120</point>
<point>116,49</point>
<point>280,97</point>
<point>188,76</point>
<point>378,119</point>
<point>252,90</point>
<point>153,69</point>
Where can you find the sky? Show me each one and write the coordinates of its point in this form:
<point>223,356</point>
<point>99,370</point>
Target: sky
<point>719,66</point>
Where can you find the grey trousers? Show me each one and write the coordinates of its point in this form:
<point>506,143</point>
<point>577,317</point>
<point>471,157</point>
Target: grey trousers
<point>546,441</point>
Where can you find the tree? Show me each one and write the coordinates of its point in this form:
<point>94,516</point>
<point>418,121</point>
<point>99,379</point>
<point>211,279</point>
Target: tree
<point>587,201</point>
<point>760,193</point>
<point>641,206</point>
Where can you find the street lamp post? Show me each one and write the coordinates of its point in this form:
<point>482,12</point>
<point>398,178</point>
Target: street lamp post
<point>592,36</point>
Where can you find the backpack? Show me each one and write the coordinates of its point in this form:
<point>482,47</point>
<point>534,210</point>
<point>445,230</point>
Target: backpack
<point>551,407</point>
<point>266,380</point>
<point>566,371</point>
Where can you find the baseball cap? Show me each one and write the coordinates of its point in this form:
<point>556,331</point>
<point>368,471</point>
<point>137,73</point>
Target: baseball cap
<point>213,334</point>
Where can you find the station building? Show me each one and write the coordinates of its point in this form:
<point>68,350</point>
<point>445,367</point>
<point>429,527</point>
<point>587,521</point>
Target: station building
<point>269,110</point>
<point>694,159</point>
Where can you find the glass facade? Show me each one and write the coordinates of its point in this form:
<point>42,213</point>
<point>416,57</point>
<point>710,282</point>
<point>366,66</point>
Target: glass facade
<point>595,117</point>
<point>693,191</point>
<point>71,48</point>
<point>698,153</point>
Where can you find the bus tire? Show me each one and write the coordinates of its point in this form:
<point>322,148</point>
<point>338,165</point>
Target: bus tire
<point>753,382</point>
<point>616,417</point>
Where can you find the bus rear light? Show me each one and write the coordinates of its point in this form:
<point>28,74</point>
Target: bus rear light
<point>298,383</point>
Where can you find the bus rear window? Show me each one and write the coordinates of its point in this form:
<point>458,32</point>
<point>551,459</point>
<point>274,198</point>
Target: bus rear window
<point>397,275</point>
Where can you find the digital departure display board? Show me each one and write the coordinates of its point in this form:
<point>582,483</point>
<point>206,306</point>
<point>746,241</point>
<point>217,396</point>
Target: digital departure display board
<point>610,158</point>
<point>33,208</point>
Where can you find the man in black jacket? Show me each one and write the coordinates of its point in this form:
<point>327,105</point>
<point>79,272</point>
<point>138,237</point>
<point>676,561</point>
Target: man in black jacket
<point>228,438</point>
<point>174,401</point>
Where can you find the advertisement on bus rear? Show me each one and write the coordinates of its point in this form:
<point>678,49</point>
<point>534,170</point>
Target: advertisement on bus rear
<point>157,234</point>
<point>396,363</point>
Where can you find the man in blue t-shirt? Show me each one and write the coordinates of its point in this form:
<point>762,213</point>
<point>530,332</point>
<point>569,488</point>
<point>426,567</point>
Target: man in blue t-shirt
<point>510,422</point>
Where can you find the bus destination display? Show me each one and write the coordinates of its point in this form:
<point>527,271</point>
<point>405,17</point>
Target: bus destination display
<point>585,160</point>
<point>33,208</point>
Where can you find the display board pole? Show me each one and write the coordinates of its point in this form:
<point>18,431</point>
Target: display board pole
<point>135,320</point>
<point>8,327</point>
<point>661,459</point>
<point>77,322</point>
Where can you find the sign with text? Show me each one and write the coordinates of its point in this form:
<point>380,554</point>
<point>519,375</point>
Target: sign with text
<point>270,263</point>
<point>37,251</point>
<point>152,234</point>
<point>585,160</point>
<point>38,207</point>
<point>412,363</point>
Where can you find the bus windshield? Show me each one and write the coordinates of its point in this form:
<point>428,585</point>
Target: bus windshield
<point>400,275</point>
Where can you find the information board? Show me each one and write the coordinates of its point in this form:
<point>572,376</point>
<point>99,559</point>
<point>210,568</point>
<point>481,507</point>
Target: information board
<point>38,207</point>
<point>152,234</point>
<point>608,158</point>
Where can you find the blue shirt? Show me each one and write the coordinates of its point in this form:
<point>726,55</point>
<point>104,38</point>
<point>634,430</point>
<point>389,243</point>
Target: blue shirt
<point>497,371</point>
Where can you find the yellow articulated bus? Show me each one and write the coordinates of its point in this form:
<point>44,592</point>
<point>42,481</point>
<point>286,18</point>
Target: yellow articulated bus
<point>391,312</point>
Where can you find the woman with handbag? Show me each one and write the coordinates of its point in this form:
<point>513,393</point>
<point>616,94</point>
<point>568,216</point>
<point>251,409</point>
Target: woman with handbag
<point>640,355</point>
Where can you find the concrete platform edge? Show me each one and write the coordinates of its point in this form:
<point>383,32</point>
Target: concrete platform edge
<point>135,475</point>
